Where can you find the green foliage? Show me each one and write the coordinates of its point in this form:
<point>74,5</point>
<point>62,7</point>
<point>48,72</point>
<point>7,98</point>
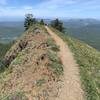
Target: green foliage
<point>40,82</point>
<point>42,22</point>
<point>29,21</point>
<point>14,96</point>
<point>89,60</point>
<point>53,46</point>
<point>3,49</point>
<point>17,61</point>
<point>57,24</point>
<point>55,64</point>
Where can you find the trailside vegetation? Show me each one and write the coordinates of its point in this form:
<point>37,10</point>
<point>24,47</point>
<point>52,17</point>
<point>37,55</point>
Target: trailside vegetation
<point>57,24</point>
<point>42,22</point>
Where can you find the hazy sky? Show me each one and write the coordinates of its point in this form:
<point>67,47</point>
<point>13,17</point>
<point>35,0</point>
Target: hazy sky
<point>50,8</point>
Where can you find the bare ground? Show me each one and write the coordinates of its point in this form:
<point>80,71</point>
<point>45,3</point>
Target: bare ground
<point>29,73</point>
<point>72,85</point>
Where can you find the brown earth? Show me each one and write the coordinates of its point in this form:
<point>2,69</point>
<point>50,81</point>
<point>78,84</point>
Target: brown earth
<point>72,86</point>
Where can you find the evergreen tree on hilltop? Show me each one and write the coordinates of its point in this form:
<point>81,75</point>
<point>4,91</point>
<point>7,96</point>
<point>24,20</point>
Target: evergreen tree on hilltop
<point>58,25</point>
<point>42,22</point>
<point>29,21</point>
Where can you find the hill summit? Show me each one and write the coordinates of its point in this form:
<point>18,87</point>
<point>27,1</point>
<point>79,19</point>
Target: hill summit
<point>45,64</point>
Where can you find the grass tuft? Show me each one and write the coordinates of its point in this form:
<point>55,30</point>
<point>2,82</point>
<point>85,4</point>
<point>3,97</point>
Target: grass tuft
<point>52,44</point>
<point>55,64</point>
<point>14,96</point>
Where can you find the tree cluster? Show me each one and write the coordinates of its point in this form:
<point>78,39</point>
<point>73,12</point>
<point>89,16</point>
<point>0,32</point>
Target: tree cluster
<point>57,24</point>
<point>29,21</point>
<point>42,22</point>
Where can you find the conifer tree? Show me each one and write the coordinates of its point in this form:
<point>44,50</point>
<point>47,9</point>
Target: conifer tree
<point>42,22</point>
<point>29,21</point>
<point>57,24</point>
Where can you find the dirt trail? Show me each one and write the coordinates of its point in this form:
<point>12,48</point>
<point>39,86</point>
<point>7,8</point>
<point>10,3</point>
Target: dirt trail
<point>72,86</point>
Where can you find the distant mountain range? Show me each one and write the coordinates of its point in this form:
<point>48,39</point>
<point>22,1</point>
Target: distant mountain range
<point>80,22</point>
<point>87,30</point>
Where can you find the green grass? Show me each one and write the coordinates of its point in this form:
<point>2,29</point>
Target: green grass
<point>55,64</point>
<point>89,61</point>
<point>14,96</point>
<point>40,82</point>
<point>3,50</point>
<point>50,42</point>
<point>17,61</point>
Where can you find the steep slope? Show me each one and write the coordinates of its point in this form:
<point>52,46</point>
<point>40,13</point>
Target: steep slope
<point>72,86</point>
<point>33,69</point>
<point>88,60</point>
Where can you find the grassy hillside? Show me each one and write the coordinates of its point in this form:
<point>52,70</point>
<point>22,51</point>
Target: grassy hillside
<point>34,70</point>
<point>89,63</point>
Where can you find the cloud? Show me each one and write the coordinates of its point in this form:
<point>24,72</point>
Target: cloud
<point>54,4</point>
<point>52,8</point>
<point>15,11</point>
<point>27,7</point>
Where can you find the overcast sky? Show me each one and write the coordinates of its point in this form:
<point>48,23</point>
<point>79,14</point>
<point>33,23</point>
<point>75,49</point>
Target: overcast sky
<point>50,8</point>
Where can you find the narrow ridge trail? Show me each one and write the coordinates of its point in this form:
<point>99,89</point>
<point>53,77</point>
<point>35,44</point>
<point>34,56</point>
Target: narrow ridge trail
<point>71,89</point>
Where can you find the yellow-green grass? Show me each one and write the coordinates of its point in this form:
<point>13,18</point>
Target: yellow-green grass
<point>88,60</point>
<point>14,96</point>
